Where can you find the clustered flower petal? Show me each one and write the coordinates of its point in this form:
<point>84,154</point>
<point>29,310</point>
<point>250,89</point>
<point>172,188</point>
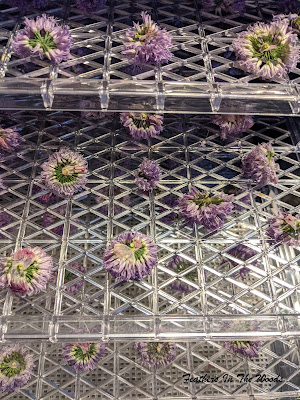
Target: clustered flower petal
<point>89,6</point>
<point>178,264</point>
<point>204,209</point>
<point>293,20</point>
<point>26,271</point>
<point>225,6</point>
<point>268,50</point>
<point>33,4</point>
<point>156,354</point>
<point>148,175</point>
<point>242,253</point>
<point>16,366</point>
<point>65,172</point>
<point>43,37</point>
<point>232,125</point>
<point>285,228</point>
<point>10,139</point>
<point>142,125</point>
<point>287,6</point>
<point>83,356</point>
<point>130,256</point>
<point>245,348</point>
<point>259,165</point>
<point>147,43</point>
<point>50,219</point>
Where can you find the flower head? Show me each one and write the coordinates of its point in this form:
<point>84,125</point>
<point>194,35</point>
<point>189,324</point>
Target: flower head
<point>16,366</point>
<point>33,4</point>
<point>10,139</point>
<point>178,264</point>
<point>142,125</point>
<point>130,256</point>
<point>243,253</point>
<point>83,356</point>
<point>147,43</point>
<point>245,348</point>
<point>26,271</point>
<point>259,165</point>
<point>285,228</point>
<point>232,125</point>
<point>89,6</point>
<point>204,209</point>
<point>288,6</point>
<point>267,50</point>
<point>5,219</point>
<point>148,175</point>
<point>50,219</point>
<point>156,354</point>
<point>65,172</point>
<point>225,6</point>
<point>293,20</point>
<point>43,37</point>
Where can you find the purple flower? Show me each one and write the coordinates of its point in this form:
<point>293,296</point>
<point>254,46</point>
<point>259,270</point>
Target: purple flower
<point>156,354</point>
<point>293,20</point>
<point>117,209</point>
<point>43,37</point>
<point>267,50</point>
<point>50,219</point>
<point>204,209</point>
<point>65,172</point>
<point>142,125</point>
<point>47,198</point>
<point>89,6</point>
<point>10,139</point>
<point>259,165</point>
<point>147,43</point>
<point>83,356</point>
<point>130,256</point>
<point>243,253</point>
<point>285,228</point>
<point>26,271</point>
<point>5,219</point>
<point>287,6</point>
<point>232,125</point>
<point>16,366</point>
<point>178,264</point>
<point>245,348</point>
<point>225,6</point>
<point>34,4</point>
<point>69,277</point>
<point>148,175</point>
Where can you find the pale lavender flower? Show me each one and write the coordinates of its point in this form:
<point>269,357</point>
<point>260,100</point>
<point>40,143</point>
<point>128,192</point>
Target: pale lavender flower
<point>245,348</point>
<point>259,165</point>
<point>204,209</point>
<point>285,228</point>
<point>5,219</point>
<point>65,172</point>
<point>130,256</point>
<point>10,139</point>
<point>288,6</point>
<point>117,208</point>
<point>26,271</point>
<point>83,356</point>
<point>33,4</point>
<point>147,43</point>
<point>225,6</point>
<point>89,6</point>
<point>142,125</point>
<point>293,20</point>
<point>156,354</point>
<point>242,253</point>
<point>69,277</point>
<point>16,366</point>
<point>268,50</point>
<point>43,37</point>
<point>178,264</point>
<point>148,175</point>
<point>232,125</point>
<point>50,219</point>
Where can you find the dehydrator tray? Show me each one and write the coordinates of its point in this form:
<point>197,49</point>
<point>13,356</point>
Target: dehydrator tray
<point>202,76</point>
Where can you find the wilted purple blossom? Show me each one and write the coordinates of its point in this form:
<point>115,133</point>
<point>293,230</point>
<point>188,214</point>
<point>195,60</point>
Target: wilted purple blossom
<point>204,209</point>
<point>242,253</point>
<point>285,228</point>
<point>268,50</point>
<point>225,6</point>
<point>10,139</point>
<point>156,354</point>
<point>117,209</point>
<point>142,125</point>
<point>83,356</point>
<point>232,125</point>
<point>89,6</point>
<point>5,219</point>
<point>43,37</point>
<point>245,348</point>
<point>293,20</point>
<point>65,172</point>
<point>288,6</point>
<point>26,271</point>
<point>178,264</point>
<point>259,165</point>
<point>33,4</point>
<point>147,43</point>
<point>16,366</point>
<point>50,219</point>
<point>148,175</point>
<point>130,256</point>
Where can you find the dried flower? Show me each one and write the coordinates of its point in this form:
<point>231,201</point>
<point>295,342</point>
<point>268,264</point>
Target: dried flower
<point>130,256</point>
<point>65,172</point>
<point>10,139</point>
<point>89,6</point>
<point>178,264</point>
<point>267,50</point>
<point>50,219</point>
<point>259,165</point>
<point>287,6</point>
<point>232,125</point>
<point>225,6</point>
<point>242,253</point>
<point>83,356</point>
<point>147,43</point>
<point>43,37</point>
<point>33,4</point>
<point>148,175</point>
<point>204,209</point>
<point>5,219</point>
<point>156,354</point>
<point>125,200</point>
<point>16,366</point>
<point>142,125</point>
<point>245,348</point>
<point>26,271</point>
<point>285,228</point>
